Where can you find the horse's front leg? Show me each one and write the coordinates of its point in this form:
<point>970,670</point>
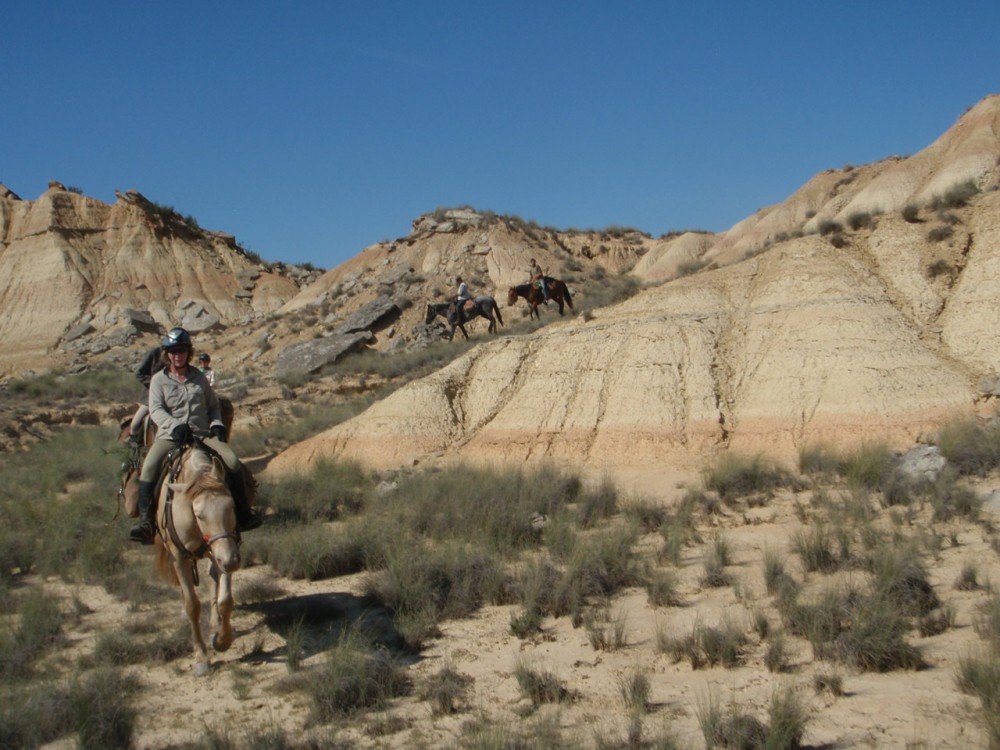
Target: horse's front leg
<point>222,609</point>
<point>192,607</point>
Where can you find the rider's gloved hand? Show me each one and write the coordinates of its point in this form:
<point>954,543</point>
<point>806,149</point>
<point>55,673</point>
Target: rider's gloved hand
<point>182,435</point>
<point>218,432</point>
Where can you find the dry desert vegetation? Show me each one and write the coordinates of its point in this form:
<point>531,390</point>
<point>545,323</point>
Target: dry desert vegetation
<point>845,601</point>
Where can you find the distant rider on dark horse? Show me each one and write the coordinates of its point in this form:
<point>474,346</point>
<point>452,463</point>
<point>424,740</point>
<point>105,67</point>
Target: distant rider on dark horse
<point>184,407</point>
<point>538,279</point>
<point>462,298</point>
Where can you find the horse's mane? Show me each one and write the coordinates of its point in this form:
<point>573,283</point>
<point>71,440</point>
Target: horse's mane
<point>209,474</point>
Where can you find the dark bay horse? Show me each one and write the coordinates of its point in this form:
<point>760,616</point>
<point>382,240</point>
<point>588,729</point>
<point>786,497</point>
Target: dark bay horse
<point>557,290</point>
<point>483,306</point>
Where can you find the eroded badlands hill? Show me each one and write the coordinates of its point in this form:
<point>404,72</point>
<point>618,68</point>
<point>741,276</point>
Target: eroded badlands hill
<point>79,276</point>
<point>863,307</point>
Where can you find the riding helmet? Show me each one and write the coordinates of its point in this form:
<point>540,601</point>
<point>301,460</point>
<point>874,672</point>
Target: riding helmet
<point>177,338</point>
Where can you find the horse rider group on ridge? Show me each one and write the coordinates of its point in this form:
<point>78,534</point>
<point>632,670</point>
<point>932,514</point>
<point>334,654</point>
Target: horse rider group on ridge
<point>181,401</point>
<point>462,296</point>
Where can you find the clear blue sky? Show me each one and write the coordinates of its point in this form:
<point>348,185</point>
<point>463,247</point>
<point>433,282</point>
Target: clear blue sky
<point>313,129</point>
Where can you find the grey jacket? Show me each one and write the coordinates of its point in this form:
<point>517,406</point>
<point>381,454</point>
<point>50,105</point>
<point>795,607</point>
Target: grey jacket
<point>192,402</point>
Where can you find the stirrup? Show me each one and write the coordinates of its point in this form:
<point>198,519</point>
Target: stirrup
<point>143,533</point>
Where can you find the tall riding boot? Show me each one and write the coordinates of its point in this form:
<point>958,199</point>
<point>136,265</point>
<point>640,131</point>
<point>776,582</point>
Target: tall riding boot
<point>145,529</point>
<point>246,517</point>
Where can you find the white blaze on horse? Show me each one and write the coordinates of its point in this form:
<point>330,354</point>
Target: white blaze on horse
<point>196,518</point>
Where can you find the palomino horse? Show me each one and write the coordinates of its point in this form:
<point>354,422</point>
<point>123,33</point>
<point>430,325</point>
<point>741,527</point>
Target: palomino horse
<point>196,518</point>
<point>483,306</point>
<point>556,289</point>
<point>128,491</point>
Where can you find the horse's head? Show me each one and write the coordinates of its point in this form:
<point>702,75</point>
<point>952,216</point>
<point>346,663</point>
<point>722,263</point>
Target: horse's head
<point>202,482</point>
<point>511,296</point>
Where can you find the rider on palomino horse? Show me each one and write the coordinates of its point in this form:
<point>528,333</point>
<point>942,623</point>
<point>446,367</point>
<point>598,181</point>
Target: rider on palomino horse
<point>184,407</point>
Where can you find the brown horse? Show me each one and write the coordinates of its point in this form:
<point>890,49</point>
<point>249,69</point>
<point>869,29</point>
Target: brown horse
<point>555,288</point>
<point>196,518</point>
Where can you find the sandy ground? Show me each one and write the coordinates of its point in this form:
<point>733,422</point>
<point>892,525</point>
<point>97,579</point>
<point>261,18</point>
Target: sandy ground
<point>247,686</point>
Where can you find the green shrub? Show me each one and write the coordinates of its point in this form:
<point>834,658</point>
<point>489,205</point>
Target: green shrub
<point>911,213</point>
<point>869,465</point>
<point>311,552</point>
<point>634,689</point>
<point>102,708</point>
<point>970,447</point>
<point>354,678</point>
<point>422,584</point>
<point>33,714</point>
<point>733,476</point>
<point>328,491</point>
<point>814,546</point>
<point>787,719</point>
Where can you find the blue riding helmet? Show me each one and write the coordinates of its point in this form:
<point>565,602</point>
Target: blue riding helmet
<point>177,338</point>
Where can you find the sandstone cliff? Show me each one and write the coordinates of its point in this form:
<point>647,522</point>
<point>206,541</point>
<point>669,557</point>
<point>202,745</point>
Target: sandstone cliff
<point>79,276</point>
<point>861,308</point>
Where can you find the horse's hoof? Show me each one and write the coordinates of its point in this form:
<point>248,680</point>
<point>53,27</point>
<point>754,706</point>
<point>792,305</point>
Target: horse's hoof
<point>218,646</point>
<point>201,669</point>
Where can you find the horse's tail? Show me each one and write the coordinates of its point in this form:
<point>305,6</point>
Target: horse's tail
<point>569,300</point>
<point>496,311</point>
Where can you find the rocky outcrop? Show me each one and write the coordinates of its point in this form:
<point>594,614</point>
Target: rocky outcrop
<point>67,260</point>
<point>310,356</point>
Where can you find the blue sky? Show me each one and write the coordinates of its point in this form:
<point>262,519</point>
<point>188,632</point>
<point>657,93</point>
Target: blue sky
<point>313,129</point>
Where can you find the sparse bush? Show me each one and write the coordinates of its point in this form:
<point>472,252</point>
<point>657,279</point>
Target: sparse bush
<point>689,267</point>
<point>819,460</point>
<point>787,719</point>
<point>829,682</point>
<point>354,678</point>
<point>102,709</point>
<point>970,447</point>
<point>446,691</point>
<point>814,547</point>
<point>828,226</point>
<point>869,465</point>
<point>540,686</point>
<point>859,220</point>
<point>940,233</point>
<point>979,675</point>
<point>661,589</point>
<point>733,476</point>
<point>899,576</point>
<point>911,213</point>
<point>968,579</point>
<point>776,655</point>
<point>634,689</point>
<point>955,196</point>
<point>312,552</point>
<point>717,557</point>
<point>940,267</point>
<point>949,499</point>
